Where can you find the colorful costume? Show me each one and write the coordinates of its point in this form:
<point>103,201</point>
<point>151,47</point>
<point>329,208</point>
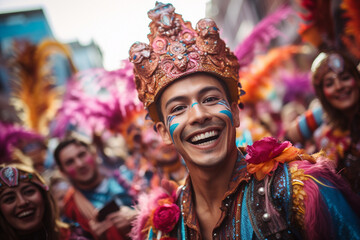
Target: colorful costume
<point>338,146</point>
<point>275,193</point>
<point>80,205</point>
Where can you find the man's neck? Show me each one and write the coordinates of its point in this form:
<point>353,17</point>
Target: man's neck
<point>210,184</point>
<point>90,185</point>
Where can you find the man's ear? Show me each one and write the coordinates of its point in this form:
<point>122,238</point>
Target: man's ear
<point>235,111</point>
<point>165,135</point>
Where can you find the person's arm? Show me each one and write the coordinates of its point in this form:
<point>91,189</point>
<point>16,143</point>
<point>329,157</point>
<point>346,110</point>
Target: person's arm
<point>303,128</point>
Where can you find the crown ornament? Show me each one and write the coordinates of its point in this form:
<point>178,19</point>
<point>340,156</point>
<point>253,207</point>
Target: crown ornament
<point>13,174</point>
<point>177,50</point>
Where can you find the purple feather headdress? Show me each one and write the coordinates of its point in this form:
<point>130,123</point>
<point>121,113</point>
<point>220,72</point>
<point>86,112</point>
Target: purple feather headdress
<point>97,100</point>
<point>261,36</point>
<point>10,136</point>
<point>296,85</point>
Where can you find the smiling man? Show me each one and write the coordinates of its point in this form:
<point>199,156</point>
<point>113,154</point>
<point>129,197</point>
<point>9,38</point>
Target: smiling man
<point>188,81</point>
<point>91,192</point>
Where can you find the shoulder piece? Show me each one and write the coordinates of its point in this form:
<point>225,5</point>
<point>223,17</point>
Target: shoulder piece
<point>269,205</point>
<point>158,212</point>
<point>264,156</point>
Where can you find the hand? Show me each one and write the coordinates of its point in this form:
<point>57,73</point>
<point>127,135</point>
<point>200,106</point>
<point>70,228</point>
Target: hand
<point>122,219</point>
<point>99,228</point>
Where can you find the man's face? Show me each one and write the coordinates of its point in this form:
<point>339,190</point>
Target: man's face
<point>199,120</point>
<point>78,164</point>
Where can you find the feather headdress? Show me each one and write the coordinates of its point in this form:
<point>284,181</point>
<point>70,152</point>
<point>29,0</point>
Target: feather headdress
<point>97,99</point>
<point>10,137</point>
<point>34,91</point>
<point>261,36</point>
<point>258,81</point>
<point>352,26</point>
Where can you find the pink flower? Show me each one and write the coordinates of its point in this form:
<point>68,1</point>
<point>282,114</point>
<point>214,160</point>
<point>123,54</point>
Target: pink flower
<point>265,149</point>
<point>264,156</point>
<point>166,216</point>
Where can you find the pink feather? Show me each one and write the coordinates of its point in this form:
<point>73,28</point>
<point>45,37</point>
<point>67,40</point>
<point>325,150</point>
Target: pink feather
<point>98,100</point>
<point>147,203</point>
<point>261,35</point>
<point>10,135</point>
<point>317,220</point>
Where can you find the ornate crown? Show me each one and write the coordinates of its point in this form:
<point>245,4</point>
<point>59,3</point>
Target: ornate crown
<point>177,50</point>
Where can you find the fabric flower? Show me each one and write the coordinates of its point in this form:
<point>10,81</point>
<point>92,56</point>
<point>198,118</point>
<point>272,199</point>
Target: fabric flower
<point>265,155</point>
<point>165,217</point>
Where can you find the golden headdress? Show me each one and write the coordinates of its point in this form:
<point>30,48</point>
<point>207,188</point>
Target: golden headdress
<point>177,50</point>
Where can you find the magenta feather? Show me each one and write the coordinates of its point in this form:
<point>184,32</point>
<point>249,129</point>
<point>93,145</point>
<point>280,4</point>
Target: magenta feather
<point>297,84</point>
<point>10,136</point>
<point>96,100</point>
<point>317,220</point>
<point>147,203</point>
<point>261,35</point>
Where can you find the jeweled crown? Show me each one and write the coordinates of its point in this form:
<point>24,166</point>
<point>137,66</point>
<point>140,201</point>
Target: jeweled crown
<point>12,174</point>
<point>177,50</point>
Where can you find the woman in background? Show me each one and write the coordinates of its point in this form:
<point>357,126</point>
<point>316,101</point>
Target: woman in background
<point>27,209</point>
<point>336,81</point>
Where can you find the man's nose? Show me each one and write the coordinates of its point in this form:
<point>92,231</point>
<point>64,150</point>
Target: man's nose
<point>198,113</point>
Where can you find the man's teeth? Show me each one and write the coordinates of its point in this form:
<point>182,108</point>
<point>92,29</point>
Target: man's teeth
<point>25,214</point>
<point>203,136</point>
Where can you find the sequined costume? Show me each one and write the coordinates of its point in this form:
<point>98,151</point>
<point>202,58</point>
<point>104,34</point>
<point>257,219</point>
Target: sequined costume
<point>298,200</point>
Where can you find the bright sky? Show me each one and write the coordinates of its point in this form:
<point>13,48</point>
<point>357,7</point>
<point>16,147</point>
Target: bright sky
<point>113,24</point>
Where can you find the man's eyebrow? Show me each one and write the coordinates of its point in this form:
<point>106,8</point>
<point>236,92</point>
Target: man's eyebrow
<point>174,99</point>
<point>202,91</point>
<point>208,89</point>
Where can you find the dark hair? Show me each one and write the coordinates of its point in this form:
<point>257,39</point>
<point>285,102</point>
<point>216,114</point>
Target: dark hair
<point>158,98</point>
<point>335,115</point>
<point>63,145</point>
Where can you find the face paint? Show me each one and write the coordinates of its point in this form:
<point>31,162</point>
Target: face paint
<point>192,105</point>
<point>171,127</point>
<point>72,172</point>
<point>224,103</point>
<point>229,114</point>
<point>90,160</point>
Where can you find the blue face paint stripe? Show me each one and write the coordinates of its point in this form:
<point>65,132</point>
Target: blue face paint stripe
<point>172,129</point>
<point>224,103</point>
<point>229,114</point>
<point>192,105</point>
<point>169,119</point>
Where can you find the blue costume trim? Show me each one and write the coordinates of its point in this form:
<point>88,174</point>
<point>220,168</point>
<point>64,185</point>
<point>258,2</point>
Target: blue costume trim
<point>246,227</point>
<point>346,223</point>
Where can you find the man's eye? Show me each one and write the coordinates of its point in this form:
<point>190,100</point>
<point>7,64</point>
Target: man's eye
<point>82,154</point>
<point>210,99</point>
<point>177,109</point>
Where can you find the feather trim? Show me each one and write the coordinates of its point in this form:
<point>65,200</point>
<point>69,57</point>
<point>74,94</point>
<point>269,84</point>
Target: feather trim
<point>34,91</point>
<point>258,77</point>
<point>309,206</point>
<point>10,136</point>
<point>352,26</point>
<point>147,203</point>
<point>97,100</point>
<point>261,36</point>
